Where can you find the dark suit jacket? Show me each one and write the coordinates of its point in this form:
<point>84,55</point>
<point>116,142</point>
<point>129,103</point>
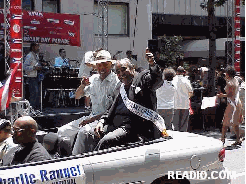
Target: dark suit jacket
<point>148,81</point>
<point>33,152</point>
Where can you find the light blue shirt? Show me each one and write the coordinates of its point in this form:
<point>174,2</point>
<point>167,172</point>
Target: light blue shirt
<point>59,62</point>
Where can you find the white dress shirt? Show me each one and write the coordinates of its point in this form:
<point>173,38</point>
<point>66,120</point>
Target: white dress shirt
<point>102,93</point>
<point>183,88</point>
<point>31,60</point>
<point>165,95</point>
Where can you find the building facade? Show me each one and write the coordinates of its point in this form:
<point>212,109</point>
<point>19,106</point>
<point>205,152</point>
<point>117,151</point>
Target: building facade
<point>131,23</point>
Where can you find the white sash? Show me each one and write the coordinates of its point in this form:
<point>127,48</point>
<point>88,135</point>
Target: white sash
<point>143,112</point>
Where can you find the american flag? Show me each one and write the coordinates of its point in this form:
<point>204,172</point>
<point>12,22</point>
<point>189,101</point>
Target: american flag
<point>6,89</point>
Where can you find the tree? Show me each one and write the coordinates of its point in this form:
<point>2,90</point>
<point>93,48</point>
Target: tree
<point>210,5</point>
<point>170,49</point>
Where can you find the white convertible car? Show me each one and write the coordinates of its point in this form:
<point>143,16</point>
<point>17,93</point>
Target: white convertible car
<point>181,158</point>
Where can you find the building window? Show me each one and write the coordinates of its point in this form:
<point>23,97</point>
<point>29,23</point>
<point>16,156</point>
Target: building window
<point>118,14</point>
<point>51,6</point>
<point>26,4</point>
<point>2,4</point>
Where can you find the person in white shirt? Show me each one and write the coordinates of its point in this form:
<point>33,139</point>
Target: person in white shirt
<point>6,141</point>
<point>165,98</point>
<point>31,67</point>
<point>181,100</point>
<point>87,69</point>
<point>62,61</point>
<point>85,66</point>
<point>101,90</point>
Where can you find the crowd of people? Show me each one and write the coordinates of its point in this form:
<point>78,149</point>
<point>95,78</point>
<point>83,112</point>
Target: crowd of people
<point>127,105</point>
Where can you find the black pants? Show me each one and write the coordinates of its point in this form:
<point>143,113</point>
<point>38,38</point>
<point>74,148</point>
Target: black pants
<point>116,137</point>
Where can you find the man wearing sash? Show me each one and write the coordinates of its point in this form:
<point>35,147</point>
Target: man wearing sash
<point>133,111</point>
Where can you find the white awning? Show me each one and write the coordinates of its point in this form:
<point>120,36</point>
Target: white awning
<point>200,48</point>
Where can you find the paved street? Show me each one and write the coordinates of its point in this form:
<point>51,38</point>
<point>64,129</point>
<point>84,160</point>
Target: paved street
<point>235,156</point>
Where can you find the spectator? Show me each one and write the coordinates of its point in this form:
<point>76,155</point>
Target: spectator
<point>165,98</point>
<point>6,141</point>
<point>233,112</point>
<point>86,66</point>
<point>87,69</point>
<point>62,61</point>
<point>28,149</point>
<point>31,67</point>
<point>181,100</point>
<point>121,124</point>
<point>204,76</point>
<point>131,58</point>
<point>222,102</point>
<point>101,92</point>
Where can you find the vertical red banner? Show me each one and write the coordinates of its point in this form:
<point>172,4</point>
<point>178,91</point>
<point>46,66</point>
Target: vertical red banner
<point>237,27</point>
<point>15,42</point>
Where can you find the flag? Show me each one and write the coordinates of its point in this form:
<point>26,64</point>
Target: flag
<point>6,89</point>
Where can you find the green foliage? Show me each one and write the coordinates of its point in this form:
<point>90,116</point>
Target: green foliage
<point>217,3</point>
<point>170,49</point>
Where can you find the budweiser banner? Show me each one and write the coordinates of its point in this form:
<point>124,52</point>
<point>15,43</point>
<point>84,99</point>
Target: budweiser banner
<point>50,28</point>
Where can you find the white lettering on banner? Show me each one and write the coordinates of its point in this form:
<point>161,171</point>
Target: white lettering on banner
<point>69,22</point>
<point>31,39</point>
<point>35,14</point>
<point>58,40</point>
<point>45,40</point>
<point>52,173</point>
<point>17,7</point>
<point>16,50</point>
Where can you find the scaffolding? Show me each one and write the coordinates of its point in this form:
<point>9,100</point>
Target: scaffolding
<point>103,24</point>
<point>230,17</point>
<point>6,33</point>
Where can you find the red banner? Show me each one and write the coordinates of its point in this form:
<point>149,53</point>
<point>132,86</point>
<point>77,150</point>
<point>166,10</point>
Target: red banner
<point>50,28</point>
<point>15,43</point>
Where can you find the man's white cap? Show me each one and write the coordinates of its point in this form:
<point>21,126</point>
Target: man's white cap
<point>103,56</point>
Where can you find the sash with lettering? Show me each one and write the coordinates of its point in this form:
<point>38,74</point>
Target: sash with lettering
<point>144,112</point>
